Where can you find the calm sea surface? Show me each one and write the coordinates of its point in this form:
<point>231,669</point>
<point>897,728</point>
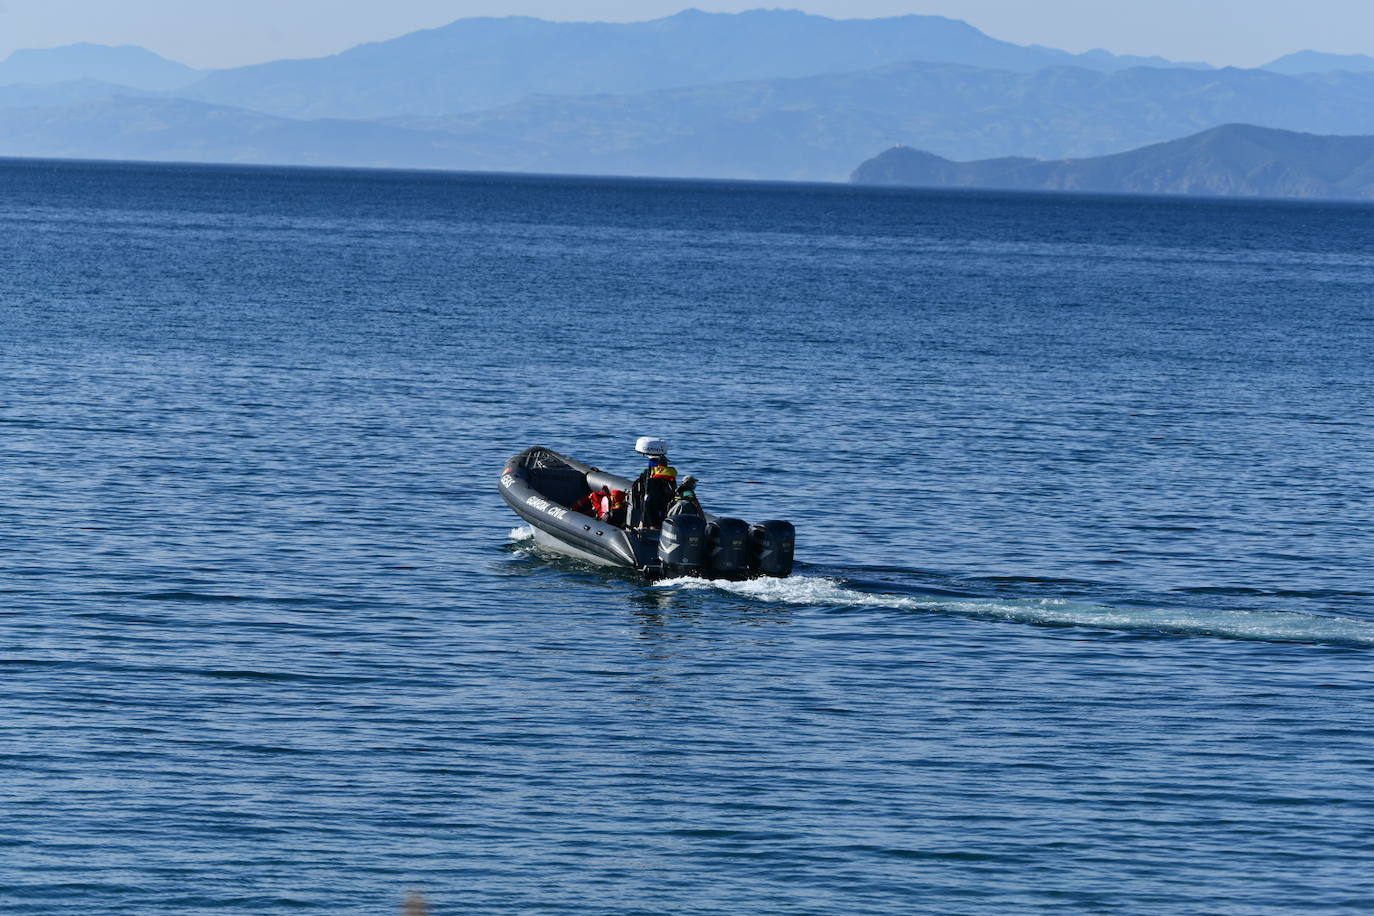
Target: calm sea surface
<point>1084,620</point>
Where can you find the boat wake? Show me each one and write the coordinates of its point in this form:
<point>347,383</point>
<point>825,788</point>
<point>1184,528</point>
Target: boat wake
<point>1266,626</point>
<point>837,594</point>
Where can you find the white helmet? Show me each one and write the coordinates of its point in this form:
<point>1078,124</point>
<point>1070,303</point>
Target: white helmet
<point>648,445</point>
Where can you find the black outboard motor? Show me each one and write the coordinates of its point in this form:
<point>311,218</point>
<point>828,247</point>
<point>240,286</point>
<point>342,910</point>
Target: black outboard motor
<point>727,548</point>
<point>771,546</point>
<point>682,545</point>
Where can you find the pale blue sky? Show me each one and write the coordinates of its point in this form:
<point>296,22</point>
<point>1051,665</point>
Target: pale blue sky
<point>1238,32</point>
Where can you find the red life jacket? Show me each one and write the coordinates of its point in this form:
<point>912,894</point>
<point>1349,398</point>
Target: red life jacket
<point>609,504</point>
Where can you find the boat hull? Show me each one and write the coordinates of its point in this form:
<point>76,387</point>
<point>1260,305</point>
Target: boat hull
<point>558,545</point>
<point>559,528</point>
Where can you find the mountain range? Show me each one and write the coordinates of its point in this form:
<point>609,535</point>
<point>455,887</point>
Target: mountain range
<point>127,66</point>
<point>1316,62</point>
<point>1234,160</point>
<point>763,94</point>
<point>479,63</point>
<point>811,128</point>
<point>476,64</point>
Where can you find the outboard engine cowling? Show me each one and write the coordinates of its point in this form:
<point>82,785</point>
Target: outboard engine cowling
<point>771,547</point>
<point>682,545</point>
<point>727,548</point>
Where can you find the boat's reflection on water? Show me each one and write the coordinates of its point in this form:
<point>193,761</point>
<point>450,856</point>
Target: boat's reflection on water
<point>665,612</point>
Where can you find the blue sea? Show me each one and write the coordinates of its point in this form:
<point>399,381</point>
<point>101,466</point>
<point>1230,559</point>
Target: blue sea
<point>1083,620</point>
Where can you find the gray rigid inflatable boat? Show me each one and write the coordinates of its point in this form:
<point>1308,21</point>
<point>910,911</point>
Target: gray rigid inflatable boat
<point>541,485</point>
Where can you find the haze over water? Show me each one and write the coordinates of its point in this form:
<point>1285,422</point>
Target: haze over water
<point>1082,623</point>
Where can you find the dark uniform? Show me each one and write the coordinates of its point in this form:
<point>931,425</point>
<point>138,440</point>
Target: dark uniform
<point>652,491</point>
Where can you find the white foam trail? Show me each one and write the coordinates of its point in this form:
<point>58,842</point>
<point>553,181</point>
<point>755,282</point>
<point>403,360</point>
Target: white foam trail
<point>1269,626</point>
<point>523,533</point>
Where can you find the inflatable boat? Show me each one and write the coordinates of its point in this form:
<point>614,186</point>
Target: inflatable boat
<point>542,487</point>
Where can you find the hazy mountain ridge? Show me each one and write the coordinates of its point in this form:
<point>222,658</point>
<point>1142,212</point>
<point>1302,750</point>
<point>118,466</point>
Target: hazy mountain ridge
<point>1318,62</point>
<point>813,126</point>
<point>804,128</point>
<point>483,63</point>
<point>59,94</point>
<point>1234,160</point>
<point>128,66</point>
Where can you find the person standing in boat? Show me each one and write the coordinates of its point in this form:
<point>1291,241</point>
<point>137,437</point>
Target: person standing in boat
<point>653,490</point>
